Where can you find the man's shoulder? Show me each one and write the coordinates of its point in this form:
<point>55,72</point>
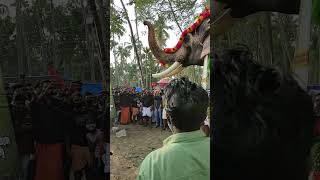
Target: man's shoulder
<point>154,154</point>
<point>174,156</point>
<point>164,154</point>
<point>154,158</point>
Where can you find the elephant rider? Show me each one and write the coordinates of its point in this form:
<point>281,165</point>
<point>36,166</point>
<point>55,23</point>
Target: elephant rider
<point>186,153</point>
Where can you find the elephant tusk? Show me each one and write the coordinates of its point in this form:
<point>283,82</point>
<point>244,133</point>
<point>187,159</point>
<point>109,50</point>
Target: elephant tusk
<point>167,71</point>
<point>176,71</point>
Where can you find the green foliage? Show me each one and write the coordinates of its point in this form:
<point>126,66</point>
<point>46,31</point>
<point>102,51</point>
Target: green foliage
<point>253,32</point>
<point>117,22</point>
<point>7,43</point>
<point>183,9</point>
<point>162,34</point>
<point>57,32</point>
<point>316,11</point>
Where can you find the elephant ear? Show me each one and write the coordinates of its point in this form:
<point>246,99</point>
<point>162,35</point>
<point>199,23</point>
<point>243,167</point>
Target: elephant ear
<point>206,47</point>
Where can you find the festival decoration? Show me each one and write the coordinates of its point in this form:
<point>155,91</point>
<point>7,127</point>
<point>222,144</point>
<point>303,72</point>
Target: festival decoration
<point>204,15</point>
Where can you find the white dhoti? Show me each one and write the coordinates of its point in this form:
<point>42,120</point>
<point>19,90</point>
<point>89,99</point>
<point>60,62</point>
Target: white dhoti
<point>164,114</point>
<point>146,111</point>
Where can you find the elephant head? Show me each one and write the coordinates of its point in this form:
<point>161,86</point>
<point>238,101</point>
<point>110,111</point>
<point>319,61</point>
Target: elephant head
<point>190,52</point>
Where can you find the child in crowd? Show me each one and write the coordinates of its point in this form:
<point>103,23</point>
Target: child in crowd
<point>94,138</point>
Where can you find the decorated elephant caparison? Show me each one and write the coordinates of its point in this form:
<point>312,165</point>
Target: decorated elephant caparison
<point>189,49</point>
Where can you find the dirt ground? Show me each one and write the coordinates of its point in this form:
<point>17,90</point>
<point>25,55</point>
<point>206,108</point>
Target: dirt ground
<point>129,151</point>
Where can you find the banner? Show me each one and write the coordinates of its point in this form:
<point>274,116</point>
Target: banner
<point>138,89</point>
<point>314,88</point>
<point>8,149</point>
<point>93,88</point>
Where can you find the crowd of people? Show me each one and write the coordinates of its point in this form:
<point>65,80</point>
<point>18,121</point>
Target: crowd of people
<point>59,132</point>
<point>145,107</point>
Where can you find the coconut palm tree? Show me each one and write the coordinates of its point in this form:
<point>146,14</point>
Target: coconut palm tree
<point>121,53</point>
<point>162,31</point>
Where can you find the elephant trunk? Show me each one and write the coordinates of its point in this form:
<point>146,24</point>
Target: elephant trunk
<point>155,49</point>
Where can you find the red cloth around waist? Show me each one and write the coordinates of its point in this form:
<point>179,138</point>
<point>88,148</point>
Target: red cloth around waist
<point>49,165</point>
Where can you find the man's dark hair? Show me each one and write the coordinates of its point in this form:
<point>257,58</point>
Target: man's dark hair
<point>187,104</point>
<point>262,121</point>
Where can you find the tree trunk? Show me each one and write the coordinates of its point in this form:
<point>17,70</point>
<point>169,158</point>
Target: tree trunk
<point>270,37</point>
<point>100,57</point>
<point>99,36</point>
<point>89,45</point>
<point>53,36</point>
<point>27,50</point>
<point>285,52</point>
<point>133,42</point>
<point>19,38</point>
<point>103,25</point>
<point>105,35</point>
<point>41,37</point>
<point>136,21</point>
<point>116,73</point>
<point>174,16</point>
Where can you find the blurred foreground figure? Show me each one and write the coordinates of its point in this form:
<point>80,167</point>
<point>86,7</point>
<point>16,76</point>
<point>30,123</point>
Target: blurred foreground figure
<point>186,153</point>
<point>262,121</point>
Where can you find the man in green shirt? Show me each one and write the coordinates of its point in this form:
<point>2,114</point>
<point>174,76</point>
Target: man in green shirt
<point>185,155</point>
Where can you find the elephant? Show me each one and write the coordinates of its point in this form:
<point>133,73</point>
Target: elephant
<point>190,52</point>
